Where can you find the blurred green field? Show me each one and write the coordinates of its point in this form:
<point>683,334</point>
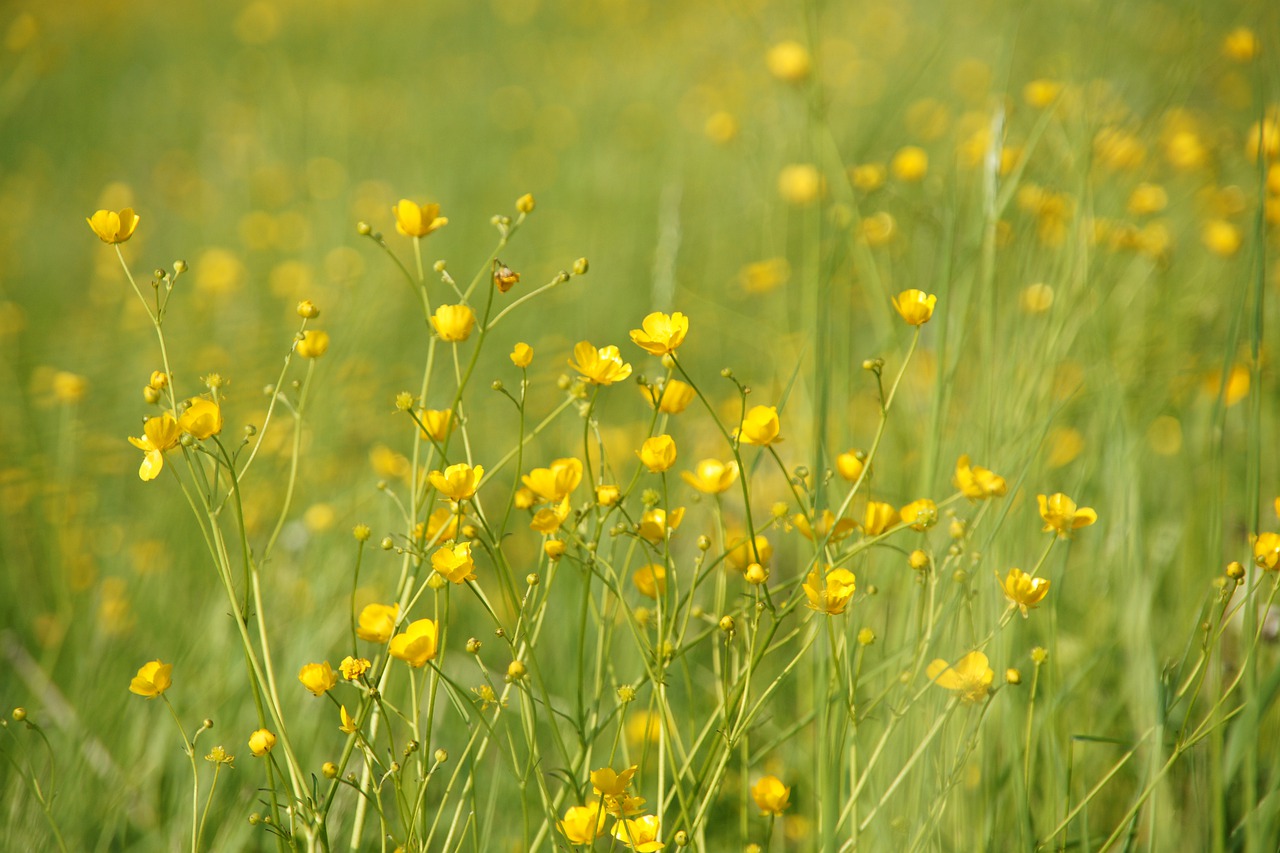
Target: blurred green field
<point>1089,188</point>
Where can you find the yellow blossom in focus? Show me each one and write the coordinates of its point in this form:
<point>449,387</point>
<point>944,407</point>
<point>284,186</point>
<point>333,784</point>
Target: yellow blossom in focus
<point>608,494</point>
<point>504,278</point>
<point>639,834</point>
<point>655,523</point>
<point>608,783</point>
<point>830,594</point>
<point>1266,551</point>
<point>377,622</point>
<point>353,668</point>
<point>1023,590</point>
<point>658,453</point>
<point>457,482</point>
<point>549,519</point>
<point>878,517</point>
<point>417,643</point>
<point>152,679</point>
<point>672,398</point>
<point>915,306</point>
<point>760,426</point>
<point>788,61</point>
<point>202,419</point>
<point>771,796</point>
<point>218,755</point>
<point>711,476</point>
<point>556,481</point>
<point>314,344</point>
<point>850,464</point>
<point>435,424</point>
<point>319,678</point>
<point>261,742</point>
<point>112,227</point>
<point>920,514</point>
<point>582,824</point>
<point>454,562</point>
<point>970,677</point>
<point>651,580</point>
<point>661,334</point>
<point>453,323</point>
<point>346,724</point>
<point>603,366</point>
<point>159,434</point>
<point>976,483</point>
<point>1061,514</point>
<point>413,220</point>
<point>521,355</point>
<point>910,164</point>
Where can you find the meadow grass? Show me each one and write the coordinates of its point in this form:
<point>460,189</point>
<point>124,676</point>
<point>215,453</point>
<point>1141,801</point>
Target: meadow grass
<point>782,333</point>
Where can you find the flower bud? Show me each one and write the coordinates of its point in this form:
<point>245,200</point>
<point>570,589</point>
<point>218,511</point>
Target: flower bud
<point>533,579</point>
<point>525,204</point>
<point>308,310</point>
<point>1012,676</point>
<point>329,769</point>
<point>19,715</point>
<point>473,646</point>
<point>441,756</point>
<point>515,671</point>
<point>361,532</point>
<point>580,266</point>
<point>363,229</point>
<point>553,548</point>
<point>179,267</point>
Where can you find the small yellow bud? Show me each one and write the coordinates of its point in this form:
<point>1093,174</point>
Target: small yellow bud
<point>533,579</point>
<point>515,671</point>
<point>626,693</point>
<point>19,715</point>
<point>1235,571</point>
<point>580,266</point>
<point>179,267</point>
<point>727,624</point>
<point>363,229</point>
<point>1039,655</point>
<point>361,532</point>
<point>473,646</point>
<point>866,637</point>
<point>437,581</point>
<point>553,548</point>
<point>757,574</point>
<point>441,756</point>
<point>1012,676</point>
<point>159,379</point>
<point>405,401</point>
<point>308,310</point>
<point>525,204</point>
<point>608,495</point>
<point>150,395</point>
<point>918,560</point>
<point>329,769</point>
<point>682,839</point>
<point>387,543</point>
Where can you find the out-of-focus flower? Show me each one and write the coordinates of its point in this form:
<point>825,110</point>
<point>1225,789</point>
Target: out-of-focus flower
<point>1041,93</point>
<point>159,434</point>
<point>453,323</point>
<point>377,622</point>
<point>788,61</point>
<point>672,398</point>
<point>1061,514</point>
<point>602,366</point>
<point>314,344</point>
<point>417,644</point>
<point>651,580</point>
<point>760,426</point>
<point>867,177</point>
<point>969,678</point>
<point>153,679</point>
<point>1023,590</point>
<point>658,453</point>
<point>1240,45</point>
<point>800,184</point>
<point>878,518</point>
<point>830,594</point>
<point>910,164</point>
<point>977,483</point>
<point>113,227</point>
<point>661,334</point>
<point>319,678</point>
<point>771,796</point>
<point>457,482</point>
<point>413,220</point>
<point>850,464</point>
<point>740,554</point>
<point>711,476</point>
<point>826,524</point>
<point>915,306</point>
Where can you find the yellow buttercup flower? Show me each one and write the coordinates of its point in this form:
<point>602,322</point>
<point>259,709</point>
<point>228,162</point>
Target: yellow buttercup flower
<point>711,476</point>
<point>850,464</point>
<point>603,366</point>
<point>582,824</point>
<point>879,517</point>
<point>417,644</point>
<point>261,742</point>
<point>112,227</point>
<point>789,61</point>
<point>353,668</point>
<point>453,323</point>
<point>454,562</point>
<point>970,677</point>
<point>457,482</point>
<point>655,523</point>
<point>347,725</point>
<point>760,426</point>
<point>910,164</point>
<point>548,519</point>
<point>608,494</point>
<point>915,306</point>
<point>976,483</point>
<point>442,524</point>
<point>319,678</point>
<point>661,333</point>
<point>314,344</point>
<point>1023,590</point>
<point>607,783</point>
<point>651,580</point>
<point>557,481</point>
<point>672,398</point>
<point>377,622</point>
<point>658,453</point>
<point>159,434</point>
<point>414,220</point>
<point>1266,551</point>
<point>829,595</point>
<point>740,554</point>
<point>640,834</point>
<point>436,424</point>
<point>1240,45</point>
<point>152,679</point>
<point>202,419</point>
<point>1061,514</point>
<point>826,524</point>
<point>521,355</point>
<point>771,796</point>
<point>920,514</point>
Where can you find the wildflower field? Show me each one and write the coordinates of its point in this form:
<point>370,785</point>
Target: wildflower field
<point>611,425</point>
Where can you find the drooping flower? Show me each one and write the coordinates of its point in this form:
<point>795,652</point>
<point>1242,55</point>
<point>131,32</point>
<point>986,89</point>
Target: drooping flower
<point>417,644</point>
<point>159,434</point>
<point>878,517</point>
<point>454,562</point>
<point>771,796</point>
<point>603,366</point>
<point>319,678</point>
<point>314,344</point>
<point>556,481</point>
<point>377,622</point>
<point>977,483</point>
<point>1061,514</point>
<point>152,679</point>
<point>112,227</point>
<point>453,323</point>
<point>651,580</point>
<point>1023,590</point>
<point>347,725</point>
<point>658,453</point>
<point>413,220</point>
<point>656,523</point>
<point>261,742</point>
<point>970,677</point>
<point>640,834</point>
<point>661,334</point>
<point>672,398</point>
<point>915,306</point>
<point>711,476</point>
<point>829,595</point>
<point>457,482</point>
<point>582,824</point>
<point>760,426</point>
<point>202,419</point>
